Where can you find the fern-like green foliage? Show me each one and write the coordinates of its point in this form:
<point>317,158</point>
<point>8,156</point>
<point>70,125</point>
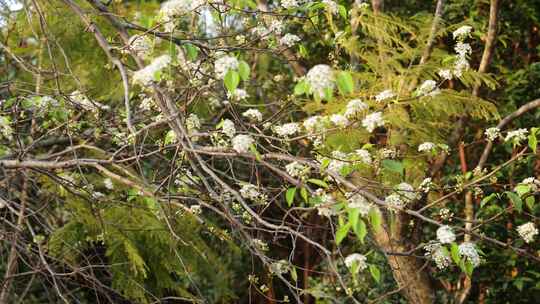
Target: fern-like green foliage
<point>149,257</point>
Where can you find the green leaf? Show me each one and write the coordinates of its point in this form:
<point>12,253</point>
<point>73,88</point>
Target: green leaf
<point>354,215</point>
<point>191,51</point>
<point>342,11</point>
<point>360,230</point>
<point>488,199</point>
<point>231,80</point>
<point>289,195</point>
<point>253,150</point>
<point>529,201</point>
<point>294,274</point>
<point>375,218</point>
<point>345,83</point>
<point>301,88</point>
<point>393,165</point>
<point>342,232</point>
<point>318,182</point>
<point>375,273</point>
<point>304,194</point>
<point>533,141</point>
<point>516,201</point>
<point>243,70</point>
<point>454,252</point>
<point>522,189</point>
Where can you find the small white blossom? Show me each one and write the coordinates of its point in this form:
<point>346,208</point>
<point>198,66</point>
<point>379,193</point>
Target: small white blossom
<point>426,147</point>
<point>359,202</point>
<point>238,94</point>
<point>372,121</point>
<point>461,64</point>
<point>250,191</point>
<point>339,120</point>
<point>320,78</point>
<point>289,3</point>
<point>287,129</point>
<point>108,183</point>
<point>193,123</point>
<point>296,169</point>
<point>407,192</point>
<point>438,255</point>
<point>364,156</point>
<point>527,232</point>
<point>445,74</point>
<point>493,133</point>
<point>253,115</point>
<point>385,153</point>
<point>354,107</point>
<point>140,44</point>
<point>516,136</point>
<point>384,95</point>
<point>276,26</point>
<point>325,211</point>
<point>532,182</point>
<point>331,6</point>
<point>394,201</point>
<point>338,161</point>
<point>426,185</point>
<point>224,64</point>
<point>356,259</point>
<point>468,250</point>
<point>228,128</point>
<point>241,143</point>
<point>462,32</point>
<point>5,127</point>
<point>147,74</point>
<point>445,235</point>
<point>428,87</point>
<point>463,49</point>
<point>289,40</point>
<point>280,267</point>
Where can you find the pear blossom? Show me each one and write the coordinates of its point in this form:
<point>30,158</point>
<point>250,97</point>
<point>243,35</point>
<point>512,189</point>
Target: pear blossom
<point>462,32</point>
<point>492,133</point>
<point>372,121</point>
<point>320,78</point>
<point>445,235</point>
<point>516,136</point>
<point>359,202</point>
<point>287,129</point>
<point>356,259</point>
<point>527,232</point>
<point>339,120</point>
<point>223,64</point>
<point>354,107</point>
<point>241,143</point>
<point>289,40</point>
<point>426,147</point>
<point>384,95</point>
<point>468,250</point>
<point>364,156</point>
<point>253,115</point>
<point>147,74</point>
<point>228,128</point>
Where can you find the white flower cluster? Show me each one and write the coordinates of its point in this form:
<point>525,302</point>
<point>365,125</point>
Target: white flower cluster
<point>373,121</point>
<point>364,156</point>
<point>426,185</point>
<point>276,26</point>
<point>339,120</point>
<point>223,64</point>
<point>241,143</point>
<point>287,129</point>
<point>147,74</point>
<point>436,252</point>
<point>331,6</point>
<point>83,101</point>
<point>280,267</point>
<point>296,169</point>
<point>108,183</point>
<point>407,192</point>
<point>320,78</point>
<point>384,95</point>
<point>173,8</point>
<point>359,202</point>
<point>445,235</point>
<point>193,123</point>
<point>394,202</point>
<point>237,95</point>
<point>140,44</point>
<point>289,3</point>
<point>428,88</point>
<point>251,192</point>
<point>426,147</point>
<point>357,261</point>
<point>492,133</point>
<point>253,115</point>
<point>462,32</point>
<point>5,127</point>
<point>354,107</point>
<point>289,40</point>
<point>445,74</point>
<point>228,128</point>
<point>516,136</point>
<point>527,232</point>
<point>468,250</point>
<point>338,161</point>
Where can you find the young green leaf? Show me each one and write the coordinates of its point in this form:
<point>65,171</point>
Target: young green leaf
<point>243,70</point>
<point>318,182</point>
<point>454,252</point>
<point>345,83</point>
<point>231,80</point>
<point>516,201</point>
<point>393,165</point>
<point>360,230</point>
<point>304,194</point>
<point>375,273</point>
<point>289,195</point>
<point>375,218</point>
<point>342,232</point>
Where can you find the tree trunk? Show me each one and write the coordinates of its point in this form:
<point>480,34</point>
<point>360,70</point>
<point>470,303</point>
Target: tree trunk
<point>413,281</point>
